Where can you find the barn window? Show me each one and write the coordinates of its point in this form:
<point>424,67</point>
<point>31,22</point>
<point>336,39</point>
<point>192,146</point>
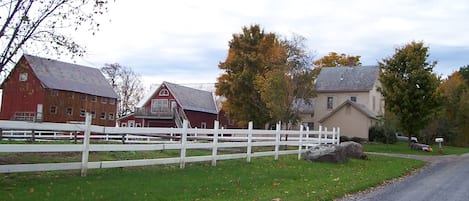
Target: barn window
<point>70,94</point>
<point>82,113</point>
<point>203,125</point>
<point>93,114</point>
<point>111,116</point>
<point>103,99</point>
<point>23,77</point>
<point>123,124</point>
<point>69,111</point>
<point>94,98</point>
<point>103,115</point>
<point>54,92</point>
<point>83,97</point>
<point>112,101</point>
<point>53,109</point>
<point>164,92</point>
<point>159,105</point>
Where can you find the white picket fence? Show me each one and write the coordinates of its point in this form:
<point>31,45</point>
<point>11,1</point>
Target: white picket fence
<point>156,139</point>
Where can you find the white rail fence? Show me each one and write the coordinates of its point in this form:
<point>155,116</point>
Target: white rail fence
<point>155,139</point>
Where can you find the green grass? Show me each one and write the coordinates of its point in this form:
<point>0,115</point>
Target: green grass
<point>403,148</point>
<point>262,179</point>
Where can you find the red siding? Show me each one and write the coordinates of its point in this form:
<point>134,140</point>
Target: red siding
<point>24,96</point>
<point>21,96</point>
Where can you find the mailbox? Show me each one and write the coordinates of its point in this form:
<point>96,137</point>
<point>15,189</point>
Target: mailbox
<point>439,139</point>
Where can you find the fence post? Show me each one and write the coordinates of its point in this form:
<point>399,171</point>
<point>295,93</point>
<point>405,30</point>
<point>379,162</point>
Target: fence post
<point>307,137</point>
<point>333,135</point>
<point>215,143</point>
<point>86,145</point>
<point>123,138</point>
<point>182,162</point>
<point>320,135</point>
<point>325,135</point>
<point>33,136</point>
<point>249,148</point>
<point>300,147</point>
<point>338,135</point>
<point>277,140</point>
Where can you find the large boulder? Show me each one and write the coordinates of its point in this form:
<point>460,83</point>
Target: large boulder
<point>326,153</point>
<point>353,150</point>
<point>335,153</point>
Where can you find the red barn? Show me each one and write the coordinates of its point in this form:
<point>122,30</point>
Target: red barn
<point>170,104</point>
<point>40,89</point>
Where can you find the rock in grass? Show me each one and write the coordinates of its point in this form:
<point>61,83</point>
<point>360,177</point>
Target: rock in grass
<point>333,153</point>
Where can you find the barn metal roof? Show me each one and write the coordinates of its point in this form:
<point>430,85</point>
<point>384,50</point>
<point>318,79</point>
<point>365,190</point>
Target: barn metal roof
<point>359,78</point>
<point>70,77</point>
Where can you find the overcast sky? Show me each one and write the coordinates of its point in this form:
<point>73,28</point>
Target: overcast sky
<point>182,41</point>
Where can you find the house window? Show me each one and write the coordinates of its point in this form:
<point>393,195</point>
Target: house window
<point>164,92</point>
<point>112,101</point>
<point>70,94</point>
<point>23,77</point>
<point>111,116</point>
<point>103,99</point>
<point>103,115</point>
<point>159,105</point>
<point>69,111</point>
<point>94,98</point>
<point>53,109</point>
<point>93,114</point>
<point>82,113</point>
<point>203,125</point>
<point>54,92</point>
<point>83,97</point>
<point>330,102</point>
<point>353,98</point>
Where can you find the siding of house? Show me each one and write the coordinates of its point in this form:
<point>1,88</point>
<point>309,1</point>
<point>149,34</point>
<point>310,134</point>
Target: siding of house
<point>321,110</point>
<point>353,123</point>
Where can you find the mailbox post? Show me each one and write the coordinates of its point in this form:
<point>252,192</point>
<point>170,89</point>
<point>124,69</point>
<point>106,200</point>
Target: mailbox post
<point>439,140</point>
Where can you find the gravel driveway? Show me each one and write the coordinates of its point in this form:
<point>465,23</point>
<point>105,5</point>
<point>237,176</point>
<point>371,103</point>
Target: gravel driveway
<point>446,178</point>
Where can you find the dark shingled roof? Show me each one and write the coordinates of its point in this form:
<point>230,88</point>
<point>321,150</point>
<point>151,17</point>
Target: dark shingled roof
<point>70,77</point>
<point>359,78</point>
<point>193,99</point>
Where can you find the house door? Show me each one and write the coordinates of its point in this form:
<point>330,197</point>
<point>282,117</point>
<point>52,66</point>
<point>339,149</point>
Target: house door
<point>39,113</point>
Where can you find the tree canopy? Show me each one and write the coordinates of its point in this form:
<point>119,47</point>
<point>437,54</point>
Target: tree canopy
<point>333,59</point>
<point>39,26</point>
<point>262,76</point>
<point>409,86</point>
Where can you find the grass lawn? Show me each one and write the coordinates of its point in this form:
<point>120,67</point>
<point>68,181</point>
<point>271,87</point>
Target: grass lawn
<point>403,148</point>
<point>262,179</point>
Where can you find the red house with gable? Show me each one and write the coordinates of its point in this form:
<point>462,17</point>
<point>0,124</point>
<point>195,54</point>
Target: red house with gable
<point>170,104</point>
<point>40,89</point>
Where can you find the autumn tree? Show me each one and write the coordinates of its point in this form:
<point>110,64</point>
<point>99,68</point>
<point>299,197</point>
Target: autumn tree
<point>40,26</point>
<point>333,59</point>
<point>127,84</point>
<point>260,77</point>
<point>464,71</point>
<point>409,87</point>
